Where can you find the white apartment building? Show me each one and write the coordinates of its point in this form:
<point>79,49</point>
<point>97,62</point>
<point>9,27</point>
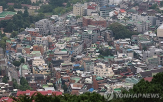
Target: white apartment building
<point>38,61</point>
<point>41,40</point>
<point>160,31</point>
<point>102,70</point>
<point>44,26</point>
<point>78,9</point>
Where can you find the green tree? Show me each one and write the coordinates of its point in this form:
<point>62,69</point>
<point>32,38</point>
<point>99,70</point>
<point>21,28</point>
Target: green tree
<point>26,14</point>
<point>65,88</point>
<point>11,8</point>
<point>5,79</point>
<point>45,8</point>
<point>161,3</point>
<point>16,63</point>
<point>0,71</point>
<point>120,31</point>
<point>22,29</point>
<point>144,48</point>
<point>24,84</point>
<point>14,34</point>
<point>23,98</point>
<point>32,25</point>
<point>3,42</point>
<point>17,5</point>
<point>105,52</point>
<point>154,6</point>
<point>15,84</point>
<point>154,87</point>
<point>54,86</point>
<point>72,59</point>
<point>23,81</point>
<point>22,60</point>
<point>38,97</point>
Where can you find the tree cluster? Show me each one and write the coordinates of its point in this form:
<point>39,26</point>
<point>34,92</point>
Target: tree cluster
<point>105,52</point>
<point>23,84</point>
<point>18,63</point>
<point>20,20</point>
<point>17,3</point>
<point>38,97</point>
<point>120,31</point>
<point>3,40</point>
<point>5,79</point>
<point>57,7</point>
<point>143,87</point>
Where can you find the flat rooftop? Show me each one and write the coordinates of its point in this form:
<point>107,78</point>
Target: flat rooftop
<point>161,26</point>
<point>95,18</point>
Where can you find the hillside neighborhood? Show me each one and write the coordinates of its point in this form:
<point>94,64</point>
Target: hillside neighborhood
<point>100,46</point>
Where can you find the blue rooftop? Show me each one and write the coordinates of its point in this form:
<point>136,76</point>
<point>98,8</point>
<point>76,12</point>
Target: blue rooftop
<point>76,65</point>
<point>112,5</point>
<point>91,89</point>
<point>14,45</point>
<point>129,50</point>
<point>103,7</point>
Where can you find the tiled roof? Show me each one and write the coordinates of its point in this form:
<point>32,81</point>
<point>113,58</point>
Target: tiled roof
<point>28,92</point>
<point>6,99</point>
<point>149,79</point>
<point>6,13</point>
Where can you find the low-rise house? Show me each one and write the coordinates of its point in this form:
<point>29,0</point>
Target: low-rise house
<point>30,93</point>
<point>24,69</point>
<point>95,20</point>
<point>88,64</point>
<point>150,73</point>
<point>39,66</point>
<point>36,80</point>
<point>75,88</point>
<point>103,70</point>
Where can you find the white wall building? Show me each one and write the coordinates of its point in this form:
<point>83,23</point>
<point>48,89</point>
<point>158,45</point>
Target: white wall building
<point>78,9</point>
<point>102,70</point>
<point>160,31</point>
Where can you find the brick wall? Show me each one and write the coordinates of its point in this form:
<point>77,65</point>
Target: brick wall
<point>87,22</point>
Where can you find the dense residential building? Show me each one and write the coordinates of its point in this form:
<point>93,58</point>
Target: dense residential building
<point>44,26</point>
<point>103,2</point>
<point>103,70</point>
<point>160,31</point>
<point>80,52</point>
<point>30,93</point>
<point>104,11</point>
<point>78,9</point>
<point>6,15</point>
<point>91,7</point>
<point>39,66</point>
<point>95,20</point>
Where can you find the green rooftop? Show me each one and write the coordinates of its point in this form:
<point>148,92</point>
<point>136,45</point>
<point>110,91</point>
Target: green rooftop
<point>99,78</point>
<point>50,83</point>
<point>76,79</point>
<point>64,64</point>
<point>63,50</point>
<point>117,89</point>
<point>45,85</point>
<point>5,13</point>
<point>35,52</point>
<point>25,67</point>
<point>9,41</point>
<point>28,46</point>
<point>103,90</point>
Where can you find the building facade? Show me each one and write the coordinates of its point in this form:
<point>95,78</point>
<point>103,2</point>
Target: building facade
<point>78,9</point>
